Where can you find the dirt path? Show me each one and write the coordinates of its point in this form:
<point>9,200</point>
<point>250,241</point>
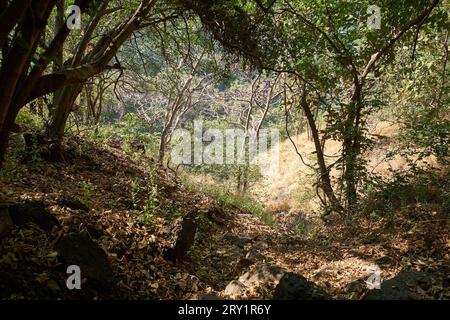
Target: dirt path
<point>338,258</point>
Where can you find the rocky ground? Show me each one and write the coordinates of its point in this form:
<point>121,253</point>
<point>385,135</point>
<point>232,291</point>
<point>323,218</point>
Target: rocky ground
<point>129,227</point>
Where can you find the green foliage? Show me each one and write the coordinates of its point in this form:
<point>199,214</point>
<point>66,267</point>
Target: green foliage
<point>231,200</point>
<point>31,156</point>
<point>384,198</point>
<point>88,190</point>
<point>229,175</point>
<point>34,157</point>
<point>32,119</point>
<point>427,135</point>
<point>127,131</point>
<point>145,198</point>
<point>417,93</point>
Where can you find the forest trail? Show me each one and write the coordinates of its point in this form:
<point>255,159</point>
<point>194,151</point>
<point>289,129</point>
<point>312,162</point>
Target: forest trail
<point>228,243</point>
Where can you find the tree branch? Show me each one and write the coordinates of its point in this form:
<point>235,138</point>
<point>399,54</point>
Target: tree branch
<point>378,55</point>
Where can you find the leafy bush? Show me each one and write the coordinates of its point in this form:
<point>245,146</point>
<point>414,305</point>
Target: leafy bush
<point>145,199</point>
<point>127,131</point>
<point>426,133</point>
<point>384,198</point>
<point>30,119</point>
<point>87,192</point>
<point>7,171</point>
<point>231,200</point>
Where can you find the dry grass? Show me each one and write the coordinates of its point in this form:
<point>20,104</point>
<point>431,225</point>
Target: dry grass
<point>292,186</point>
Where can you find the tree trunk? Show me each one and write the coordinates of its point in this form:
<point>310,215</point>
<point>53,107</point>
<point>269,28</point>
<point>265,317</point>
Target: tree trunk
<point>164,139</point>
<point>64,102</point>
<point>325,179</point>
<point>59,56</point>
<point>352,147</point>
<point>5,129</point>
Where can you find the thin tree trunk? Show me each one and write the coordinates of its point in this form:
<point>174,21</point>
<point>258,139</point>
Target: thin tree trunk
<point>352,147</point>
<point>59,56</point>
<point>325,180</point>
<point>66,99</point>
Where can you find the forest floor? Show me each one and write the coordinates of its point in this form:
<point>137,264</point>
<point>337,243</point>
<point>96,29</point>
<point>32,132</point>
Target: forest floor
<point>337,256</point>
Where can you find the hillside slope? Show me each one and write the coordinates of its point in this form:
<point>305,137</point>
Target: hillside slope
<point>291,188</point>
<point>228,243</point>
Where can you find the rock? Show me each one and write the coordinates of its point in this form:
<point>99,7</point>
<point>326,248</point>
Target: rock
<point>238,241</point>
<point>234,288</point>
<point>185,235</point>
<point>72,203</point>
<point>261,274</point>
<point>93,232</point>
<point>6,223</point>
<point>282,285</point>
<point>35,212</point>
<point>295,287</point>
<point>400,287</point>
<point>75,249</point>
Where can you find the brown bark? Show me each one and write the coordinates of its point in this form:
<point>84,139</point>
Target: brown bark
<point>178,107</point>
<point>72,78</point>
<point>352,146</point>
<point>15,80</point>
<point>63,107</point>
<point>10,16</point>
<point>325,180</point>
<point>18,59</point>
<point>83,67</point>
<point>65,97</point>
<point>59,55</point>
<point>17,62</point>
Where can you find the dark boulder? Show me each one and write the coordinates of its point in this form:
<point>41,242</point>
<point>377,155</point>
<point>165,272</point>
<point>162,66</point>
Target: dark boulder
<point>296,287</point>
<point>184,230</point>
<point>35,212</point>
<point>401,287</point>
<point>76,249</point>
